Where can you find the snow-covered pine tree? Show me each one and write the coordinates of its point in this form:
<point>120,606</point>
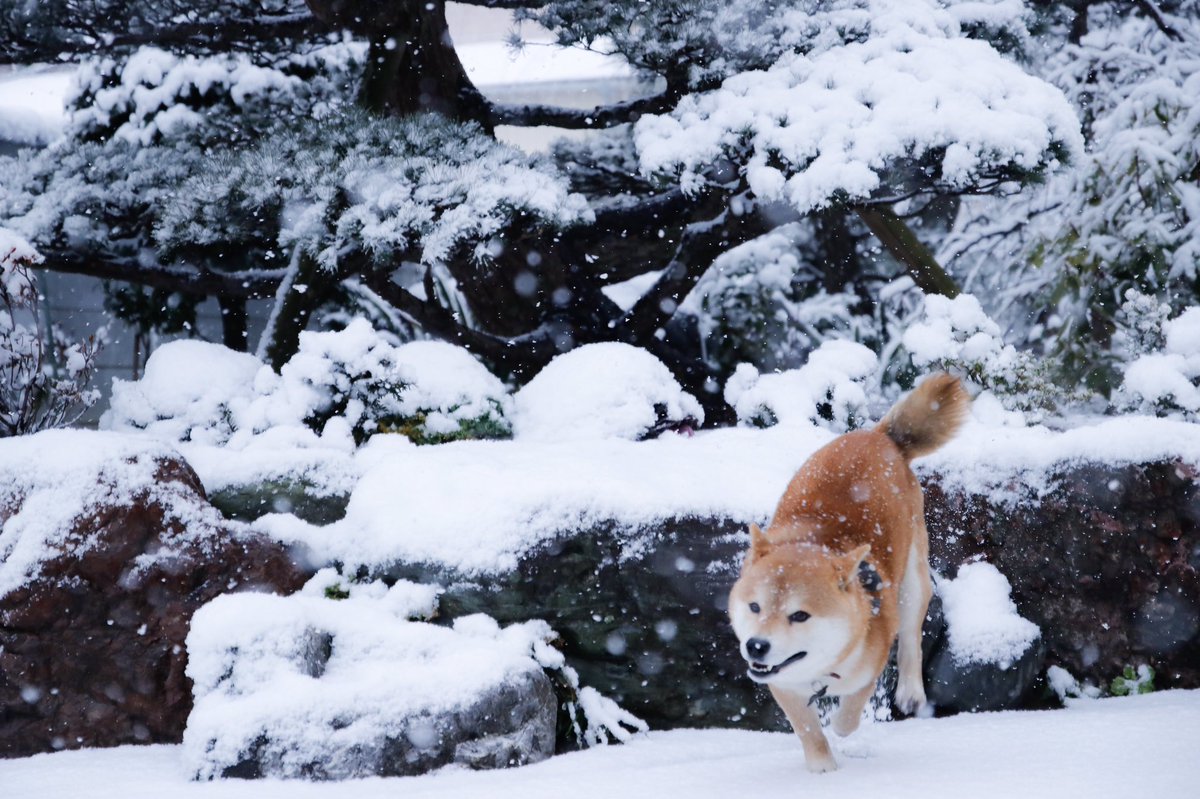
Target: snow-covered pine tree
<point>853,118</point>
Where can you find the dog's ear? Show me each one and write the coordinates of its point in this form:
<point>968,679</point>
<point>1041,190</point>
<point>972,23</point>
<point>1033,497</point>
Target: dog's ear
<point>759,545</point>
<point>849,564</point>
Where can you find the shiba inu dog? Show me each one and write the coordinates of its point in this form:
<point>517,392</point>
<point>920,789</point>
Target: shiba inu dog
<point>842,570</point>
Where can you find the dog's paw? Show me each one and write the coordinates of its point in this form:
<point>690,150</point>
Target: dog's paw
<point>910,697</point>
<point>820,765</point>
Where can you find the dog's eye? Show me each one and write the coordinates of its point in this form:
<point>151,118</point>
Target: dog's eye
<point>754,608</point>
<point>798,617</point>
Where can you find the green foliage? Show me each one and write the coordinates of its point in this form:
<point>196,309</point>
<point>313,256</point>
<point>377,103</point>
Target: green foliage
<point>1131,682</point>
<point>336,591</point>
<point>489,426</point>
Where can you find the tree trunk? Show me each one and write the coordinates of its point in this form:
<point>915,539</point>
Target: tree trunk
<point>301,293</point>
<point>233,322</point>
<point>412,66</point>
<point>896,237</point>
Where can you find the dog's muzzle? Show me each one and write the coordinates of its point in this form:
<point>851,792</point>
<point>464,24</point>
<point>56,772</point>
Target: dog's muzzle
<point>761,671</point>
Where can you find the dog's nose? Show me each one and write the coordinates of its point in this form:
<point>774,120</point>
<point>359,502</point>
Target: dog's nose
<point>757,648</point>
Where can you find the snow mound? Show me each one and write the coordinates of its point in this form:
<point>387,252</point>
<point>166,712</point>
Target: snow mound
<point>476,507</point>
<point>981,619</point>
<point>607,390</point>
<point>51,481</point>
<point>828,390</point>
<point>189,391</point>
<point>31,104</point>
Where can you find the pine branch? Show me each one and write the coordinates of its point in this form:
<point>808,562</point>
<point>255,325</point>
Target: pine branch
<point>1151,10</point>
<point>602,116</point>
<point>518,355</point>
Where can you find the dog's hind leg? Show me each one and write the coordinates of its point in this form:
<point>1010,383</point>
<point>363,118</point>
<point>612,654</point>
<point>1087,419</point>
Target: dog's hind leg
<point>915,591</point>
<point>806,723</point>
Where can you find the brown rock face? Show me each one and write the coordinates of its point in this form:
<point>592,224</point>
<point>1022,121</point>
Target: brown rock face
<point>1106,563</point>
<point>91,649</point>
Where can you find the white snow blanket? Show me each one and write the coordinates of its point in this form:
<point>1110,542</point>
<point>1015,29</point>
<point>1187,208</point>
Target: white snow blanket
<point>1139,746</point>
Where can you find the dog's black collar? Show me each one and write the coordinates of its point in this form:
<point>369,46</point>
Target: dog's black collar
<point>870,580</point>
<point>812,700</point>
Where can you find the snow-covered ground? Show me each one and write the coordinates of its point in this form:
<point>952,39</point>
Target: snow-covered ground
<point>1128,748</point>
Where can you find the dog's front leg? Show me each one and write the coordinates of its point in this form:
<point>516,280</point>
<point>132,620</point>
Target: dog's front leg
<point>849,713</point>
<point>807,725</point>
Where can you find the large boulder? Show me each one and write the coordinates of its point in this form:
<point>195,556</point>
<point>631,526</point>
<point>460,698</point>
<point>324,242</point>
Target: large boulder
<point>641,616</point>
<point>1105,562</point>
<point>107,547</point>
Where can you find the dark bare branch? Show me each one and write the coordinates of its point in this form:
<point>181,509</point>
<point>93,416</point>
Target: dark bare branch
<point>190,280</point>
<point>900,241</point>
<point>1153,12</point>
<point>519,355</point>
<point>700,245</point>
<point>602,116</point>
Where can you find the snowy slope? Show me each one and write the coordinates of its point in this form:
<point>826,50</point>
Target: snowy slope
<point>1129,748</point>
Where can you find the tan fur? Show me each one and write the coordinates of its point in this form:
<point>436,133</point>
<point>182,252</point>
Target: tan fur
<point>928,417</point>
<point>854,500</point>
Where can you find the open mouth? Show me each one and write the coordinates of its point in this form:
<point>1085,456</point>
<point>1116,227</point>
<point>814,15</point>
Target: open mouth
<point>760,671</point>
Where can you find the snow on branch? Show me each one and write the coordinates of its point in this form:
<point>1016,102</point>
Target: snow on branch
<point>422,186</point>
<point>825,126</point>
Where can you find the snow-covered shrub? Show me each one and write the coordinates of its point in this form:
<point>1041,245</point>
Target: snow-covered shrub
<point>764,303</point>
<point>981,619</point>
<point>307,685</point>
<point>608,390</point>
<point>1166,382</point>
<point>1057,258</point>
<point>430,391</point>
<point>189,391</point>
<point>956,335</point>
<point>351,382</point>
<point>828,390</point>
<point>43,383</point>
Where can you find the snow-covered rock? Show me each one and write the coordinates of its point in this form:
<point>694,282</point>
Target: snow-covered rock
<point>336,684</point>
<point>190,390</point>
<point>607,390</point>
<point>991,656</point>
<point>107,546</point>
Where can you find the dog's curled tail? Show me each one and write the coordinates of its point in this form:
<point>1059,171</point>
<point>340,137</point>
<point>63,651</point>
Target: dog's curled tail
<point>928,417</point>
